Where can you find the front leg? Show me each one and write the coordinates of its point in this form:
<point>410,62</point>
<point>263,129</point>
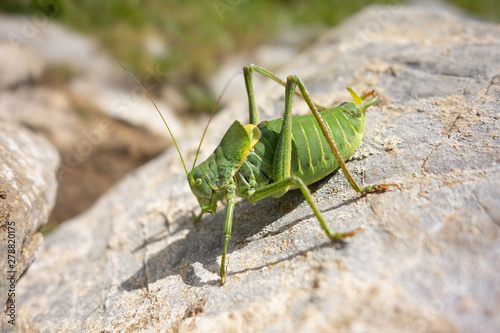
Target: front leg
<point>231,200</point>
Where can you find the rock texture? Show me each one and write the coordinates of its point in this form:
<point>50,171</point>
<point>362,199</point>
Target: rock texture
<point>427,258</point>
<point>27,194</point>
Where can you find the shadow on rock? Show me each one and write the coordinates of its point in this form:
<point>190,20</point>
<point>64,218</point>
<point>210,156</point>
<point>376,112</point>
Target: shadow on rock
<point>203,242</point>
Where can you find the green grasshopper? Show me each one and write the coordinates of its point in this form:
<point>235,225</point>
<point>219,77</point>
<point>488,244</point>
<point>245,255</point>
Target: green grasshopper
<point>269,158</point>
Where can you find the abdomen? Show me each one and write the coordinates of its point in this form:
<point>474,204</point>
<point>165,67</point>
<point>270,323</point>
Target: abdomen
<point>312,158</point>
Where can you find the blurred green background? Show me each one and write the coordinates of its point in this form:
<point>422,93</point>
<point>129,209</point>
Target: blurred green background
<point>189,40</point>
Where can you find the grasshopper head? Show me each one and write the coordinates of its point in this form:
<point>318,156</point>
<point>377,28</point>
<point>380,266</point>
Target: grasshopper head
<point>206,196</point>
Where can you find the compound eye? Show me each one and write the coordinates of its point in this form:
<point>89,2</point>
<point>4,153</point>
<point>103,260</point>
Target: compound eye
<point>198,182</point>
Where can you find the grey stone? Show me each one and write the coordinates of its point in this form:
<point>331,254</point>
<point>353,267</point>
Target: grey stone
<point>46,110</point>
<point>27,194</point>
<point>18,65</point>
<point>428,255</point>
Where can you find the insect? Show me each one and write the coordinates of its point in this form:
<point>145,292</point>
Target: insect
<point>269,158</point>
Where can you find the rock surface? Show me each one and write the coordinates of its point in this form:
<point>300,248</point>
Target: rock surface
<point>427,258</point>
<point>100,79</point>
<point>39,90</point>
<point>27,194</point>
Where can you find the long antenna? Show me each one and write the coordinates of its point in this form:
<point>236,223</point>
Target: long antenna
<point>168,128</point>
<point>212,114</point>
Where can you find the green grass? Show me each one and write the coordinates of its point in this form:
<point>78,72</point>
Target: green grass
<point>194,38</point>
